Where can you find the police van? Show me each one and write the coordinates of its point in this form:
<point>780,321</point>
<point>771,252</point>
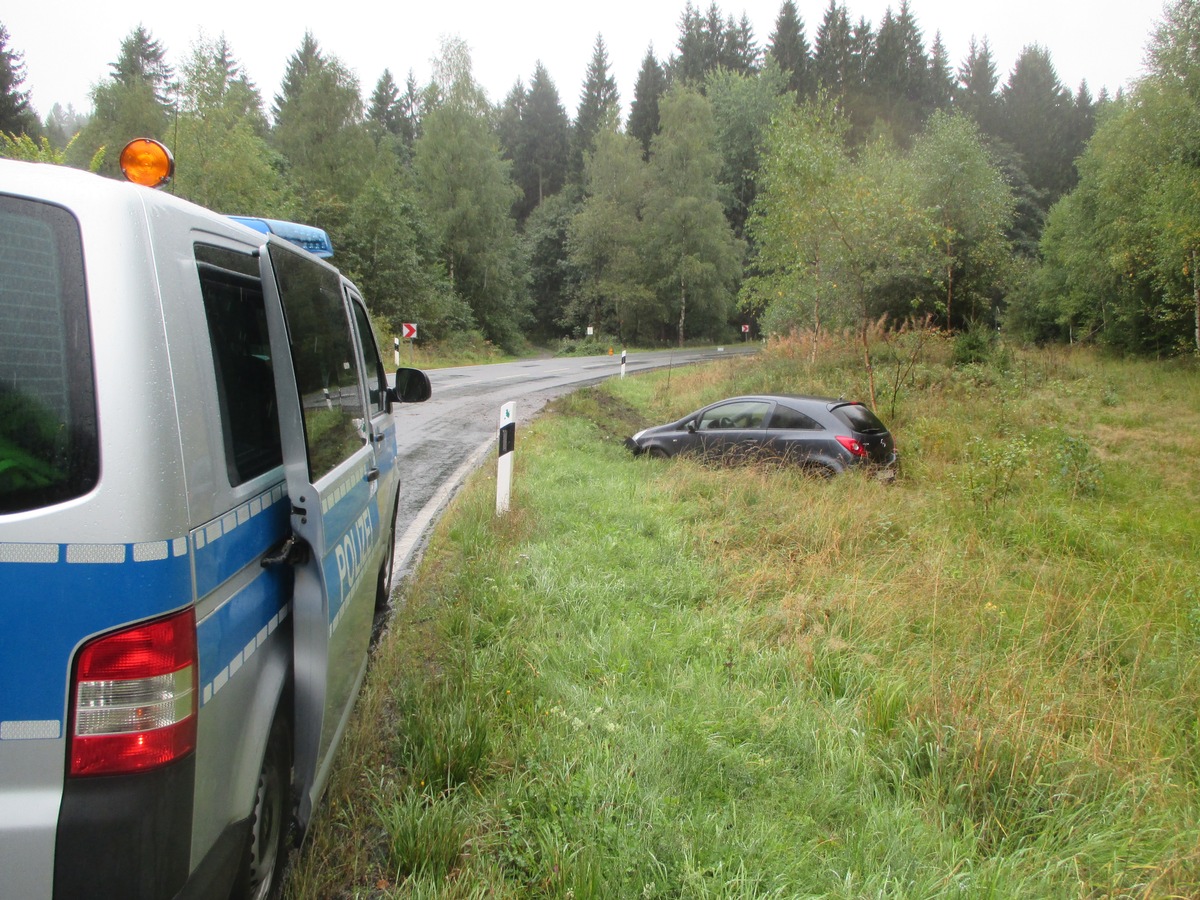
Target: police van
<point>198,490</point>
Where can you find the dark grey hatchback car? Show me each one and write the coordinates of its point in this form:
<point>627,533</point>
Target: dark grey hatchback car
<point>821,433</point>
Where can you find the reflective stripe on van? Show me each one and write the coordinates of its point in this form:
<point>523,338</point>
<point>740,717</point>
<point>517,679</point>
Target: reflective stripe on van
<point>64,594</point>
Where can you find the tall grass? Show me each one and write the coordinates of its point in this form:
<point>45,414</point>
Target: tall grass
<point>665,679</point>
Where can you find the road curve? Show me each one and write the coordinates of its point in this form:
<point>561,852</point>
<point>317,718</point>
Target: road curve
<point>444,439</point>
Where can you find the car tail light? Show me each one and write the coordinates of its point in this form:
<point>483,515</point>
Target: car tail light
<point>852,445</point>
<point>134,698</point>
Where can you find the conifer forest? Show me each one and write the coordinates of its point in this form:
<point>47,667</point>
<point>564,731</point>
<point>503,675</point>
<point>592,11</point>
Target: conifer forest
<point>836,174</point>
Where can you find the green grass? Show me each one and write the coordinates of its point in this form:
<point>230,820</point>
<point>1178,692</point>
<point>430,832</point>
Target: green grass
<point>661,679</point>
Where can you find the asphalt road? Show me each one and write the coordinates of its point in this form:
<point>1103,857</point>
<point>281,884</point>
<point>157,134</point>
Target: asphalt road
<point>444,439</point>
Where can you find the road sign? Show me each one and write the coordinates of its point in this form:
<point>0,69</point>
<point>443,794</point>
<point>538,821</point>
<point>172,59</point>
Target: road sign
<point>408,331</point>
<point>745,329</point>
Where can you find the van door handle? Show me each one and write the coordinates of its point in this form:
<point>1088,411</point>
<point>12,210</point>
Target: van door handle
<point>378,437</point>
<point>373,474</point>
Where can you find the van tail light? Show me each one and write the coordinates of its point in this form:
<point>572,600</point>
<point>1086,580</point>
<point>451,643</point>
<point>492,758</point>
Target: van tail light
<point>852,445</point>
<point>134,698</point>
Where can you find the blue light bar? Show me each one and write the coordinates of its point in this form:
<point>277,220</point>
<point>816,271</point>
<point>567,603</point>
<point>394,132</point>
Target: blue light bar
<point>314,240</point>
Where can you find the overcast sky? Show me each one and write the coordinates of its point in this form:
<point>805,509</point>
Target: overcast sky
<point>68,46</point>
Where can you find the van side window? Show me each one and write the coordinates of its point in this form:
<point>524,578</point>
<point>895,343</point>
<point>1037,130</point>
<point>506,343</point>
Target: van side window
<point>375,374</point>
<point>237,328</point>
<point>324,358</point>
<point>49,448</point>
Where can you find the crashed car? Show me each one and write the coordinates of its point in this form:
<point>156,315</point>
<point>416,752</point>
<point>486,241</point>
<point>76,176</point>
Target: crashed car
<point>823,434</point>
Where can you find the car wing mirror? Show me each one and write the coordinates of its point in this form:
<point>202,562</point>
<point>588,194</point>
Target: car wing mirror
<point>412,386</point>
<point>691,427</point>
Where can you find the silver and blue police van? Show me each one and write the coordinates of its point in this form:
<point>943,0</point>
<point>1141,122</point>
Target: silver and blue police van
<point>198,490</point>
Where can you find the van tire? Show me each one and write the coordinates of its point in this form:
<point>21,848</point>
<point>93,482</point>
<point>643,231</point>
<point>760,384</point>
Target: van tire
<point>260,873</point>
<point>383,587</point>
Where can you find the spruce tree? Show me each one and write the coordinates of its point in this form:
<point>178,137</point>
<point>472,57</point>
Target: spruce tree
<point>382,111</point>
<point>598,101</point>
<point>143,60</point>
<point>548,133</point>
<point>716,29</point>
<point>63,124</point>
<point>16,115</point>
<point>886,66</point>
<point>739,51</point>
<point>789,48</point>
<point>697,48</point>
<point>916,63</point>
<point>939,87</point>
<point>552,277</point>
<point>977,79</point>
<point>1082,121</point>
<point>643,112</point>
<point>409,111</point>
<point>1036,112</point>
<point>319,125</point>
<point>304,62</point>
<point>897,72</point>
<point>831,52</point>
<point>132,103</point>
<point>507,124</point>
<point>541,150</point>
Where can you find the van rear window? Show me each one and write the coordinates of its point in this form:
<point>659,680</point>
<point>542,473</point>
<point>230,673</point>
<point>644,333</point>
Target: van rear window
<point>49,450</point>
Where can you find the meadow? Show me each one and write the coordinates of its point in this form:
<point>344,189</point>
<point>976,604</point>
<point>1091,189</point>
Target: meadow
<point>674,679</point>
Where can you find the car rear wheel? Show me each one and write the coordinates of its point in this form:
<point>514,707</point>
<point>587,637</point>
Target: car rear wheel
<point>261,874</point>
<point>820,470</point>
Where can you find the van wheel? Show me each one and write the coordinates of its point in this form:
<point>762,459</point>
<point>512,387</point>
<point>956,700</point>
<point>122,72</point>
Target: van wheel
<point>383,588</point>
<point>260,875</point>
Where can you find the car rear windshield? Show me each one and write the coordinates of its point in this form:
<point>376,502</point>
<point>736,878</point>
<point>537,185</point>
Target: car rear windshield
<point>48,446</point>
<point>859,418</point>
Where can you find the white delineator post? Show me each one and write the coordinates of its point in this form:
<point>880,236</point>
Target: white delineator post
<point>622,363</point>
<point>504,464</point>
<point>396,348</point>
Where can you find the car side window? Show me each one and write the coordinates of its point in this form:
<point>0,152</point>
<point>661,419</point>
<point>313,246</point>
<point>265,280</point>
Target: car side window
<point>786,418</point>
<point>739,414</point>
<point>324,358</point>
<point>231,289</point>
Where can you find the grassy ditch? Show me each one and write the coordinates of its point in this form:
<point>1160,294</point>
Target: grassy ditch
<point>665,679</point>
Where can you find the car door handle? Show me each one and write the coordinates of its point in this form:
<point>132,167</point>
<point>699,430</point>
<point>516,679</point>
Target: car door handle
<point>373,474</point>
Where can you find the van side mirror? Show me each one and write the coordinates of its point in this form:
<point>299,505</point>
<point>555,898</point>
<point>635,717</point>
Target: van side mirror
<point>412,386</point>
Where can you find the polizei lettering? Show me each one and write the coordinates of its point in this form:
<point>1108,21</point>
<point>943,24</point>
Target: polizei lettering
<point>351,554</point>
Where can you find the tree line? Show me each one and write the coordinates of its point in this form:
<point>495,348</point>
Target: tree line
<point>800,184</point>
